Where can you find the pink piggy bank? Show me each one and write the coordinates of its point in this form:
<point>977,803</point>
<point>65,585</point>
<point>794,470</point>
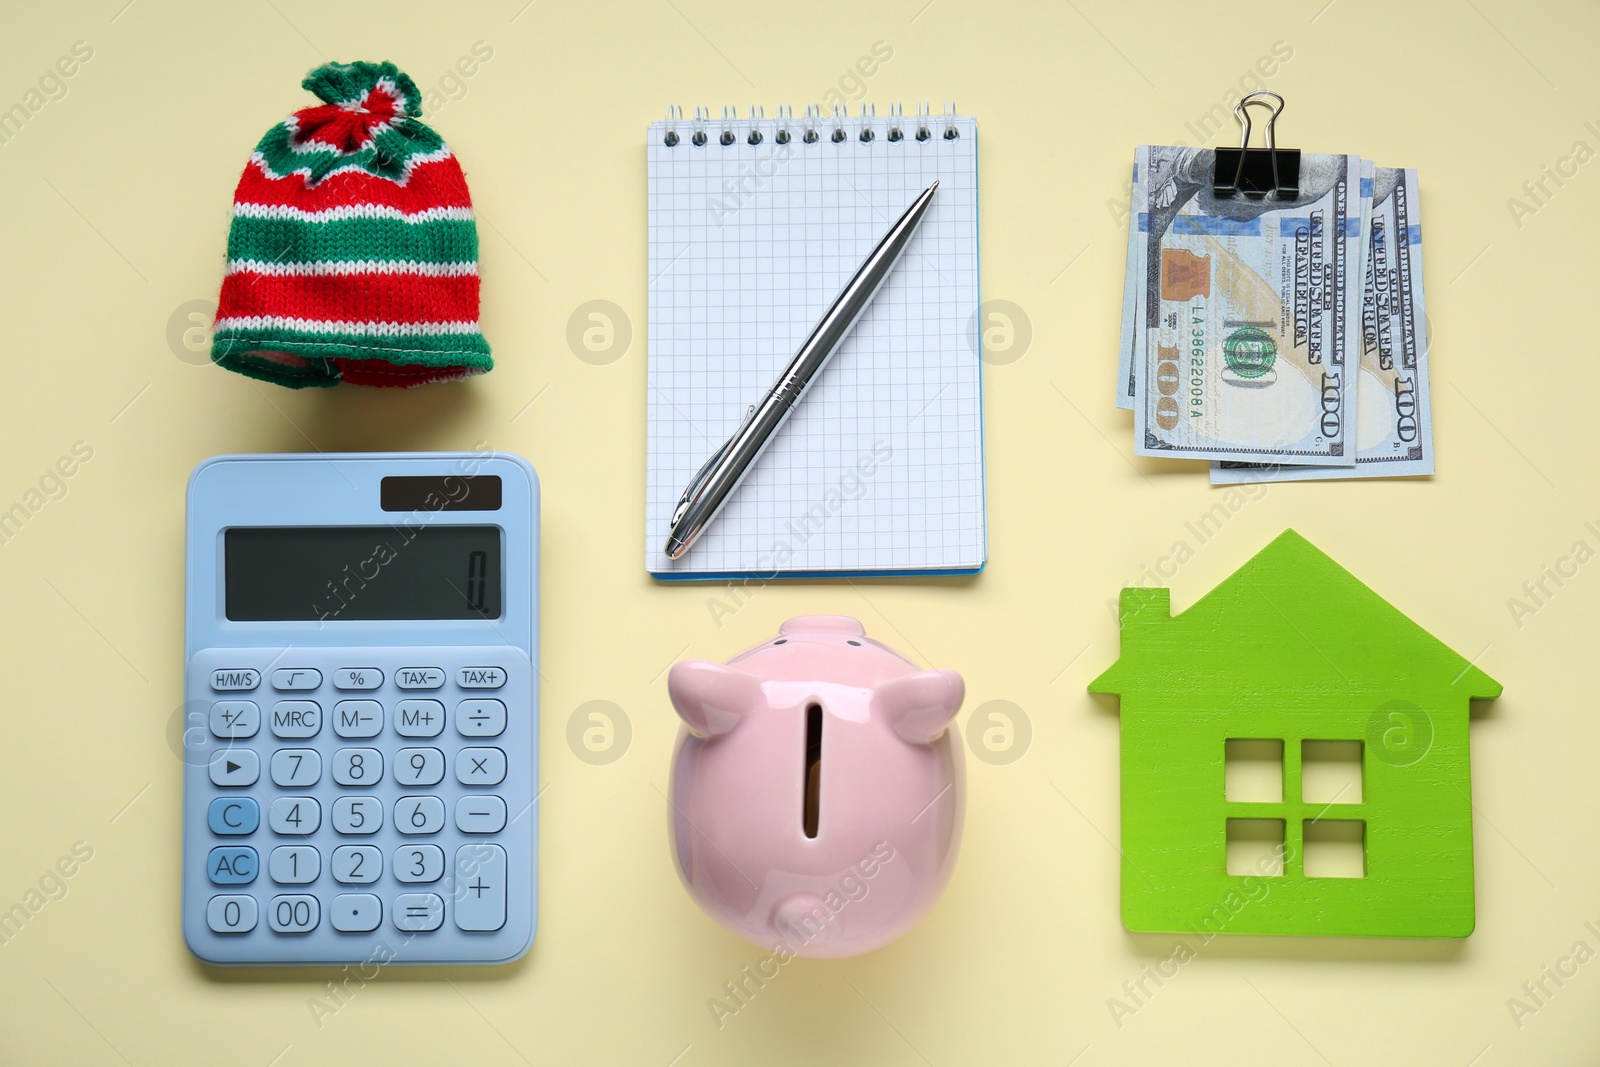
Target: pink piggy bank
<point>816,790</point>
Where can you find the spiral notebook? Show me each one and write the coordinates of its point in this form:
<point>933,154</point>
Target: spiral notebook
<point>755,226</point>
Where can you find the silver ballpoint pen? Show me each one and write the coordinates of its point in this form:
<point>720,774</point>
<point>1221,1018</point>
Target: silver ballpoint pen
<point>717,479</point>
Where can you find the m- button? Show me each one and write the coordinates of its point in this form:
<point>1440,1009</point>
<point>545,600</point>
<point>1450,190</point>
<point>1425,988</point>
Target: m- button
<point>480,677</point>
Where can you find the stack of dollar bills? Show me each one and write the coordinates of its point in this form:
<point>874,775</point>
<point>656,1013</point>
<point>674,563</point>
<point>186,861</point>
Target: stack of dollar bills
<point>1283,340</point>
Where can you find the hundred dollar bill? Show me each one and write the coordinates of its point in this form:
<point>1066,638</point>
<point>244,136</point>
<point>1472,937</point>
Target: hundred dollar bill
<point>1131,289</point>
<point>1248,310</point>
<point>1394,412</point>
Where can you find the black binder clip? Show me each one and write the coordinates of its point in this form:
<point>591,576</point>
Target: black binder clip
<point>1257,172</point>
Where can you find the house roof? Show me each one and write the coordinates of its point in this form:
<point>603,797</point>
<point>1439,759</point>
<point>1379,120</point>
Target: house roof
<point>1289,613</point>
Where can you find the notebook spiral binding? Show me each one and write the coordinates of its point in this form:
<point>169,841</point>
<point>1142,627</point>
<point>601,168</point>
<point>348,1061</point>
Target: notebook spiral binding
<point>811,128</point>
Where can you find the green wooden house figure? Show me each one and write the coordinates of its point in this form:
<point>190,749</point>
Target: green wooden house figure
<point>1294,759</point>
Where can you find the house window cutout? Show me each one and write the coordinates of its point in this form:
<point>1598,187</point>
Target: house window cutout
<point>1252,771</point>
<point>1255,846</point>
<point>1330,772</point>
<point>1335,848</point>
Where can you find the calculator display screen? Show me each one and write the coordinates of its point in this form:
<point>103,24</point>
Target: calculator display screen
<point>361,573</point>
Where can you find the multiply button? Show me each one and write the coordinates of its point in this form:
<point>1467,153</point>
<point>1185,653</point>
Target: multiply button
<point>235,679</point>
<point>296,718</point>
<point>480,718</point>
<point>358,718</point>
<point>480,766</point>
<point>480,887</point>
<point>480,677</point>
<point>357,678</point>
<point>291,679</point>
<point>233,816</point>
<point>234,719</point>
<point>419,677</point>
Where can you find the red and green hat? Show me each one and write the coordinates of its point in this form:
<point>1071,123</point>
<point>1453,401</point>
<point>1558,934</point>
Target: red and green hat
<point>353,254</point>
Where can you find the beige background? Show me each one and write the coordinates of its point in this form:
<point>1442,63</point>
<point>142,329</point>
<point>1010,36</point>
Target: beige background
<point>113,216</point>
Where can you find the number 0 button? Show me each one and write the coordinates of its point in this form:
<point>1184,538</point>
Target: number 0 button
<point>231,913</point>
<point>419,815</point>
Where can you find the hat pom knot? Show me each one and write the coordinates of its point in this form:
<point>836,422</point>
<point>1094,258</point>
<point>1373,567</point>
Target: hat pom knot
<point>376,88</point>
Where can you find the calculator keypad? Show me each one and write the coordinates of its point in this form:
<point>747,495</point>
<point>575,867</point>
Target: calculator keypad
<point>393,818</point>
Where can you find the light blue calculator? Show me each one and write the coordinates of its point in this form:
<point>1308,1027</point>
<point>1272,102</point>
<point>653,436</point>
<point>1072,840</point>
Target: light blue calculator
<point>361,704</point>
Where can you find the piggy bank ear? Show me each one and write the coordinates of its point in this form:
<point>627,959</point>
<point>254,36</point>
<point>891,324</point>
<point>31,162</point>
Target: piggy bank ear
<point>919,706</point>
<point>711,697</point>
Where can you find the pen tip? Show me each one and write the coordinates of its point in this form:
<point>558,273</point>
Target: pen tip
<point>934,186</point>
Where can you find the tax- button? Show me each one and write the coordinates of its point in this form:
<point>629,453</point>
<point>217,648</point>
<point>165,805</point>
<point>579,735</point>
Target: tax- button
<point>235,767</point>
<point>480,718</point>
<point>235,679</point>
<point>233,865</point>
<point>296,718</point>
<point>419,677</point>
<point>480,677</point>
<point>480,887</point>
<point>357,678</point>
<point>233,816</point>
<point>234,719</point>
<point>291,679</point>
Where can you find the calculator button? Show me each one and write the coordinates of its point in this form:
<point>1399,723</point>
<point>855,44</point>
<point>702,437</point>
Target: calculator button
<point>358,718</point>
<point>480,815</point>
<point>481,766</point>
<point>355,913</point>
<point>234,767</point>
<point>231,913</point>
<point>233,865</point>
<point>419,863</point>
<point>291,679</point>
<point>233,816</point>
<point>358,766</point>
<point>294,914</point>
<point>296,767</point>
<point>419,815</point>
<point>235,718</point>
<point>419,677</point>
<point>480,677</point>
<point>357,864</point>
<point>418,912</point>
<point>357,815</point>
<point>418,718</point>
<point>294,816</point>
<point>294,864</point>
<point>419,766</point>
<point>480,887</point>
<point>296,718</point>
<point>234,679</point>
<point>480,718</point>
<point>357,678</point>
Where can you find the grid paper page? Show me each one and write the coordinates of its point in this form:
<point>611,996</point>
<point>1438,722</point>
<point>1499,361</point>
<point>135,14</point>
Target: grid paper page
<point>880,467</point>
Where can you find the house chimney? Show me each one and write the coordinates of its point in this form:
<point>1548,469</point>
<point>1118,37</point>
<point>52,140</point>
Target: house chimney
<point>1145,607</point>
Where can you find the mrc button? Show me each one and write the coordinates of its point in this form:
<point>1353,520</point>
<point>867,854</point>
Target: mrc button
<point>296,718</point>
<point>235,679</point>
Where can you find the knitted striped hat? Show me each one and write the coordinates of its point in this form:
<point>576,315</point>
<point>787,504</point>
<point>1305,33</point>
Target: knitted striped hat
<point>353,254</point>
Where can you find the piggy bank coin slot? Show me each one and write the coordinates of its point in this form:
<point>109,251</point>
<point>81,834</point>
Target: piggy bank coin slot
<point>813,769</point>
